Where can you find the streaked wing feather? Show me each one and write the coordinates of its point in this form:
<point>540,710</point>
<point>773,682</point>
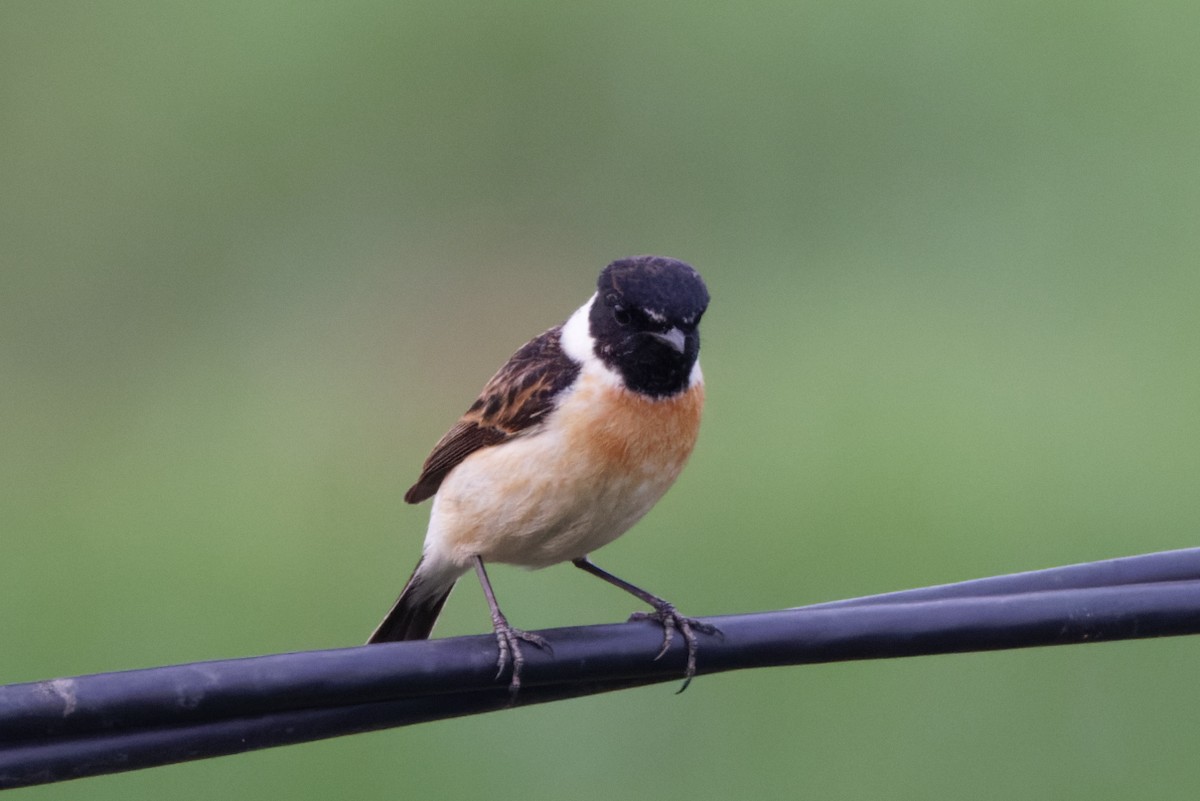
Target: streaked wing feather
<point>515,400</point>
<point>460,442</point>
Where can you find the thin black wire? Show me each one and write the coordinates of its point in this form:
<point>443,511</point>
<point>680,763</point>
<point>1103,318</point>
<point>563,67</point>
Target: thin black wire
<point>71,728</point>
<point>1179,565</point>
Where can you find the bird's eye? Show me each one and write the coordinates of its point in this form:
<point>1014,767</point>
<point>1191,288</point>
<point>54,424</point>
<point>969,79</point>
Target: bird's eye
<point>622,316</point>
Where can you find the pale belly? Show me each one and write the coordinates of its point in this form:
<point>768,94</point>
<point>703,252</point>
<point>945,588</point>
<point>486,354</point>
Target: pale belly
<point>576,485</point>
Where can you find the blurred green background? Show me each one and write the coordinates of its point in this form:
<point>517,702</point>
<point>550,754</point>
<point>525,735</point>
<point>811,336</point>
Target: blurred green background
<point>256,257</point>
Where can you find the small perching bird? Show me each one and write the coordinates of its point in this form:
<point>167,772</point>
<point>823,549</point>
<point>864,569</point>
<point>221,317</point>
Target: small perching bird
<point>574,439</point>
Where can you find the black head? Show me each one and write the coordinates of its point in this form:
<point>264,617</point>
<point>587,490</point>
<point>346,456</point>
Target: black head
<point>645,322</point>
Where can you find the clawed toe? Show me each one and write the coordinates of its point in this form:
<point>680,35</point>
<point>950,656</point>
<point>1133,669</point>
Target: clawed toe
<point>671,621</point>
<point>664,614</point>
<point>508,639</point>
<point>508,643</point>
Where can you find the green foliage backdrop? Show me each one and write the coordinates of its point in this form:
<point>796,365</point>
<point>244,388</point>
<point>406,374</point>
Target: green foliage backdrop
<point>256,256</point>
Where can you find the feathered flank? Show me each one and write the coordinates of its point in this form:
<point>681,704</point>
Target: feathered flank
<point>515,400</point>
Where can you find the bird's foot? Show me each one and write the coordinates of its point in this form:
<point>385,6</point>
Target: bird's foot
<point>671,621</point>
<point>508,642</point>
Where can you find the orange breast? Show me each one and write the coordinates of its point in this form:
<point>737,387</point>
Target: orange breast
<point>630,433</point>
<point>601,462</point>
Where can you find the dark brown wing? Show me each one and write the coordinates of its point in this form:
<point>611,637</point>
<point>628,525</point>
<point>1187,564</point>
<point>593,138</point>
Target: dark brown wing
<point>517,398</point>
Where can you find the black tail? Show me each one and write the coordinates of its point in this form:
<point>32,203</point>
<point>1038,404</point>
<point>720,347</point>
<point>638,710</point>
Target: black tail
<point>414,613</point>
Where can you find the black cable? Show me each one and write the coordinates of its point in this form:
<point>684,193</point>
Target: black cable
<point>1180,565</point>
<point>70,728</point>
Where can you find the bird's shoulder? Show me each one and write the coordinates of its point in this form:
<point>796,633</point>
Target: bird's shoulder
<point>515,400</point>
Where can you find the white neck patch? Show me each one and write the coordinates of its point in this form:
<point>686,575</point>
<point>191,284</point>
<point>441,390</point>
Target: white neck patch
<point>578,344</point>
<point>577,340</point>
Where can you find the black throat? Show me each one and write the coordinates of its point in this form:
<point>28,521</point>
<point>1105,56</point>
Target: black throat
<point>646,364</point>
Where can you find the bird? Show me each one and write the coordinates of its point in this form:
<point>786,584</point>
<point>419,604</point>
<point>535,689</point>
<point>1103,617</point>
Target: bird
<point>569,445</point>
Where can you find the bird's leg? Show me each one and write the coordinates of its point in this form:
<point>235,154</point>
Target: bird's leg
<point>664,614</point>
<point>508,639</point>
